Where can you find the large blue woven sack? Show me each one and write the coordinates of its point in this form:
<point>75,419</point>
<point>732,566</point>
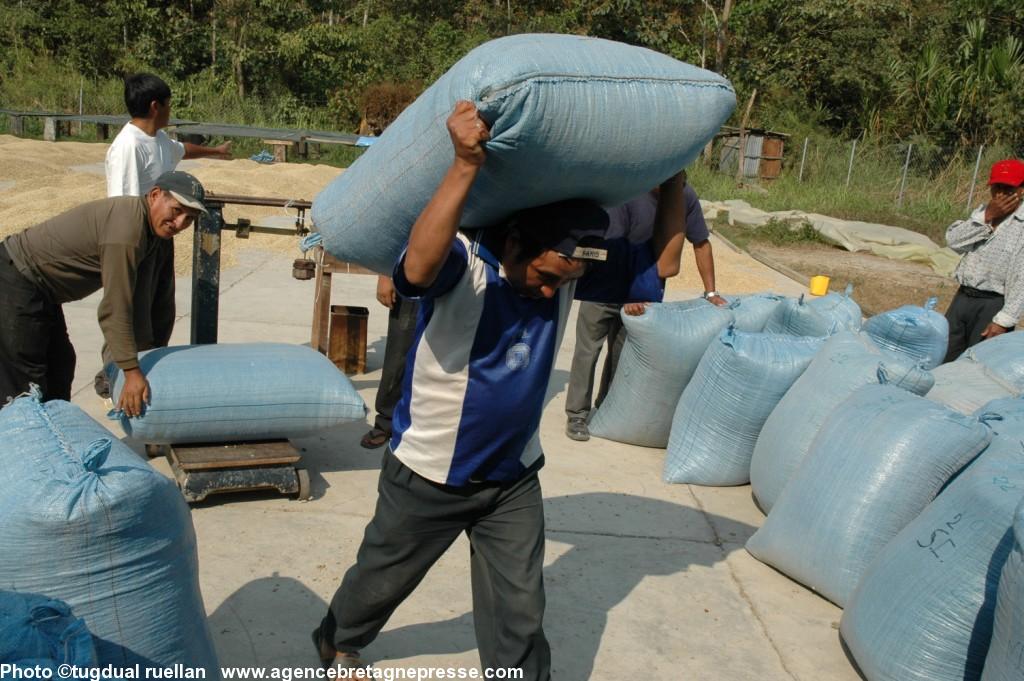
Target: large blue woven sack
<point>87,522</point>
<point>880,457</point>
<point>794,317</point>
<point>967,385</point>
<point>923,611</point>
<point>570,116</point>
<point>738,382</point>
<point>920,333</point>
<point>1004,355</point>
<point>239,391</point>
<point>1005,660</point>
<point>662,349</point>
<point>847,361</point>
<point>36,631</point>
<point>751,312</point>
<point>839,306</point>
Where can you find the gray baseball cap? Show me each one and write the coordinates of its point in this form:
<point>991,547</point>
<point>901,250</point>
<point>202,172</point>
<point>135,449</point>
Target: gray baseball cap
<point>183,187</point>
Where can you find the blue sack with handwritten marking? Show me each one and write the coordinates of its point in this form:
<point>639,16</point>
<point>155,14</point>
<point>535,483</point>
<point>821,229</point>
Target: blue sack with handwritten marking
<point>880,457</point>
<point>1005,660</point>
<point>570,117</point>
<point>847,361</point>
<point>923,610</point>
<point>88,522</point>
<point>919,333</point>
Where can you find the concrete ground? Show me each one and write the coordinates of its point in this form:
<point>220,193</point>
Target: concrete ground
<point>645,580</point>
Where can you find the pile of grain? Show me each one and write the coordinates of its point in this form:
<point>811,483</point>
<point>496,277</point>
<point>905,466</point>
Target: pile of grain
<point>43,179</point>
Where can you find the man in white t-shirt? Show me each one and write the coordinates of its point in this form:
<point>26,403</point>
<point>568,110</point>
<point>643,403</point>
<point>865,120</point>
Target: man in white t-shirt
<point>142,151</point>
<point>140,154</point>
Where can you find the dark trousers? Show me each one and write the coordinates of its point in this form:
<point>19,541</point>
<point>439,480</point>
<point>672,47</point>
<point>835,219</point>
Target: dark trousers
<point>401,330</point>
<point>968,314</point>
<point>413,525</point>
<point>34,343</point>
<point>595,322</point>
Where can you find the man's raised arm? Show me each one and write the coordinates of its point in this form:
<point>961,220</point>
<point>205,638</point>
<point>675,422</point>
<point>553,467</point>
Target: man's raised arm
<point>669,226</point>
<point>434,230</point>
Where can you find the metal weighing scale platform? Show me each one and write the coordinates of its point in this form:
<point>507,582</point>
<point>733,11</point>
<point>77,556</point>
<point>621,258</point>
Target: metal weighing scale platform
<point>204,469</point>
<point>201,470</point>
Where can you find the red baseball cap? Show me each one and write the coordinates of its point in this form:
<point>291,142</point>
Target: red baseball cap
<point>1010,172</point>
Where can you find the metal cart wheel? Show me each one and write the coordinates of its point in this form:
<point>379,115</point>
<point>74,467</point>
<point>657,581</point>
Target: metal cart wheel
<point>305,489</point>
<point>155,451</point>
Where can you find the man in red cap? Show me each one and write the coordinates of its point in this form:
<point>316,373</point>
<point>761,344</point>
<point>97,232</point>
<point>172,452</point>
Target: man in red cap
<point>990,299</point>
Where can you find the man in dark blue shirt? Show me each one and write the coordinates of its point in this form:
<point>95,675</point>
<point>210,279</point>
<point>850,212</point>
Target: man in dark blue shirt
<point>596,322</point>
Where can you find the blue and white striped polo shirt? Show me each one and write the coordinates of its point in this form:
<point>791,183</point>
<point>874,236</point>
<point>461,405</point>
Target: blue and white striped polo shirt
<point>482,357</point>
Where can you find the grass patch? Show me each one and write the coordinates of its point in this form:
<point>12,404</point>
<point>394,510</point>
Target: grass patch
<point>775,233</point>
<point>936,191</point>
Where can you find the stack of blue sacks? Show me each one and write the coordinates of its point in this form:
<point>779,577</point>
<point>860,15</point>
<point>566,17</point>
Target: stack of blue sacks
<point>90,525</point>
<point>896,500</point>
<point>925,606</point>
<point>659,358</point>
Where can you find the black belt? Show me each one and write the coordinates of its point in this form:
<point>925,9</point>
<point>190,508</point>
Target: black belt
<point>971,292</point>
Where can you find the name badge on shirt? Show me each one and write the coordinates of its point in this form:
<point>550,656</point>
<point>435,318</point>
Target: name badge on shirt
<point>584,253</point>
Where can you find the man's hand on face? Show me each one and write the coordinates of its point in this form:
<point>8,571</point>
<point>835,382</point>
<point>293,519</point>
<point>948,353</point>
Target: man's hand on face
<point>993,330</point>
<point>134,394</point>
<point>386,295</point>
<point>1002,205</point>
<point>468,132</point>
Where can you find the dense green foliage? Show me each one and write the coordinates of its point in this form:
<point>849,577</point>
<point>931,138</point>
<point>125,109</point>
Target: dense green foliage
<point>936,71</point>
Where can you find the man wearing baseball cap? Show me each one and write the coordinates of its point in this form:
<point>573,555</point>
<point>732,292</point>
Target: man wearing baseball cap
<point>990,299</point>
<point>106,244</point>
<point>465,449</point>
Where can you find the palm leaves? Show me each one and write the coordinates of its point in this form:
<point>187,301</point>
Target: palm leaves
<point>959,92</point>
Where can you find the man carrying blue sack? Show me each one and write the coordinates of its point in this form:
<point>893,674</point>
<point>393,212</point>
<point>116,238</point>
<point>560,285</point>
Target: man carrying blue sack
<point>465,451</point>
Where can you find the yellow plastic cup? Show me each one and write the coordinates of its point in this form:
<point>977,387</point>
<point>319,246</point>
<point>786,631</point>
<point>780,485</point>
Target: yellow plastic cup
<point>819,285</point>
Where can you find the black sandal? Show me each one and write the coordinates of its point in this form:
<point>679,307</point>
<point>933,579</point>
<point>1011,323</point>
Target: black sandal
<point>325,662</point>
<point>375,438</point>
<point>338,660</point>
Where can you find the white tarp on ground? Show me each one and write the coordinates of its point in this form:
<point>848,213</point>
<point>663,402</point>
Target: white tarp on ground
<point>895,243</point>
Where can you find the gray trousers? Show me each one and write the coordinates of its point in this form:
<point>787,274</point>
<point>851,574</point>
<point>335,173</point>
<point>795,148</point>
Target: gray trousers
<point>413,525</point>
<point>968,315</point>
<point>595,322</point>
<point>401,330</point>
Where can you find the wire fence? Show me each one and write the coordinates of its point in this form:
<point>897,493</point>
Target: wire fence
<point>909,181</point>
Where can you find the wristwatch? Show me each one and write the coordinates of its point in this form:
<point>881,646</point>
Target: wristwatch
<point>708,295</point>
